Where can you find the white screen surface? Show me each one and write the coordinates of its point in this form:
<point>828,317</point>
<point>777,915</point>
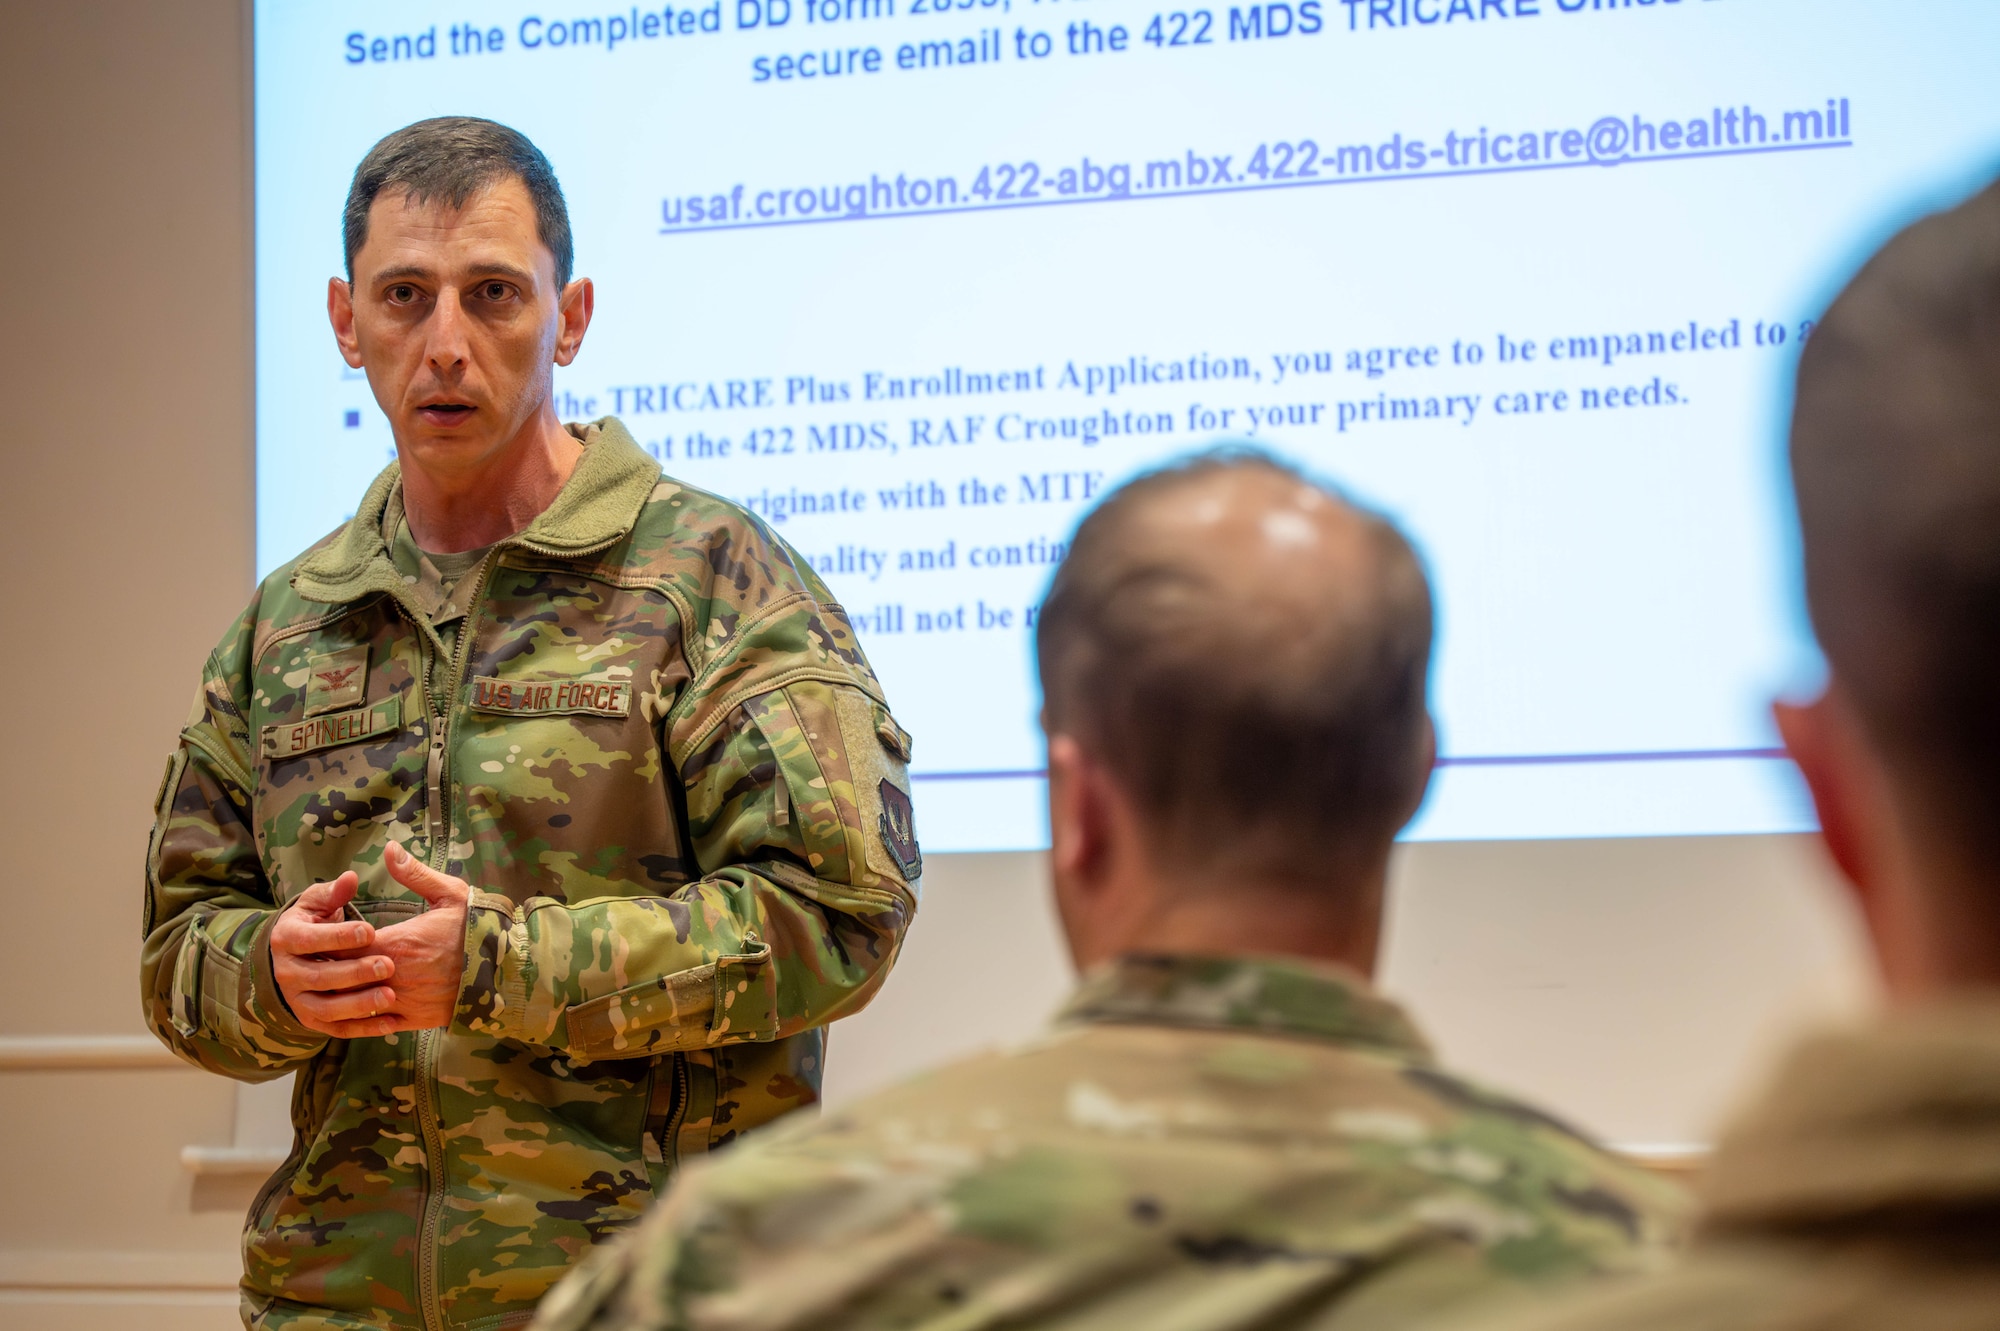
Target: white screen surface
<point>1527,275</point>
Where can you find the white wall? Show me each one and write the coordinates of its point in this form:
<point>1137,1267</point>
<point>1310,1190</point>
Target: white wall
<point>1630,984</point>
<point>125,504</point>
<point>1635,986</point>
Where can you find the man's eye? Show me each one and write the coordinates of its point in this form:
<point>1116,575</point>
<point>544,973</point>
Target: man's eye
<point>498,291</point>
<point>402,294</point>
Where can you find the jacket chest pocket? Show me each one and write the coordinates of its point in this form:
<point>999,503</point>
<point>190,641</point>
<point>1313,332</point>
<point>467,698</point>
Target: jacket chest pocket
<point>521,728</point>
<point>559,783</point>
<point>340,732</point>
<point>549,736</point>
<point>336,786</point>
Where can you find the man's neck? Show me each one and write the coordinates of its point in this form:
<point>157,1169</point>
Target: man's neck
<point>1949,942</point>
<point>452,510</point>
<point>1314,922</point>
<point>1930,903</point>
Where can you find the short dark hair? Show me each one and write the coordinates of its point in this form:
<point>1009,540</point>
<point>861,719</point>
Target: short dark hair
<point>1277,729</point>
<point>1895,453</point>
<point>448,160</point>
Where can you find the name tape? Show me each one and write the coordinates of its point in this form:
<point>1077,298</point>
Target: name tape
<point>289,739</point>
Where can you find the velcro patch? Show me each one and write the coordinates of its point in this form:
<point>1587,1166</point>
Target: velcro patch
<point>552,697</point>
<point>336,679</point>
<point>289,739</point>
<point>881,789</point>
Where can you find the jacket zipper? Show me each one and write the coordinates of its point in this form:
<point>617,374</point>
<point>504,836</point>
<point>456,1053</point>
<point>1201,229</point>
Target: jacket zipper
<point>439,821</point>
<point>670,1149</point>
<point>438,771</point>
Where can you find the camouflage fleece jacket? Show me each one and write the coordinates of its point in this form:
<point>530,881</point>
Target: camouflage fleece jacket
<point>1200,1145</point>
<point>1860,1193</point>
<point>646,736</point>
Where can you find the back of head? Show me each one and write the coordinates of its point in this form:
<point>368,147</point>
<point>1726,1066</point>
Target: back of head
<point>1896,458</point>
<point>1248,655</point>
<point>447,160</point>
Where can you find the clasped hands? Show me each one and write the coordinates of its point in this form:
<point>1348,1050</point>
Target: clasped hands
<point>348,979</point>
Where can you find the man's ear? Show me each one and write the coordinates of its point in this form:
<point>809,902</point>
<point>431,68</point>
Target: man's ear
<point>1429,757</point>
<point>1076,814</point>
<point>340,313</point>
<point>578,302</point>
<point>1082,857</point>
<point>1824,740</point>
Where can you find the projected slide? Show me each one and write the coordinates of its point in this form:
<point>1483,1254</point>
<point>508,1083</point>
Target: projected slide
<point>917,280</point>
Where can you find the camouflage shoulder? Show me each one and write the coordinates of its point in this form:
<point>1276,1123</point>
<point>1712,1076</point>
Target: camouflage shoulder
<point>1718,1289</point>
<point>729,572</point>
<point>748,1223</point>
<point>1603,1202</point>
<point>279,608</point>
<point>273,608</point>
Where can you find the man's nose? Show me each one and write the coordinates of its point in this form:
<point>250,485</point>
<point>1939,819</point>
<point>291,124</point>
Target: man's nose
<point>447,349</point>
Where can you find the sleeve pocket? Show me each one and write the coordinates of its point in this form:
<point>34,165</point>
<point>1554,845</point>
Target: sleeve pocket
<point>878,754</point>
<point>732,998</point>
<point>163,806</point>
<point>840,761</point>
<point>187,986</point>
<point>208,985</point>
<point>746,995</point>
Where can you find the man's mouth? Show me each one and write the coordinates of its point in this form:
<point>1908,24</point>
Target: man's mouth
<point>445,413</point>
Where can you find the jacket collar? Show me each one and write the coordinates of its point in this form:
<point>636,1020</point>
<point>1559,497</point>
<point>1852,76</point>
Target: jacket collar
<point>1899,1118</point>
<point>596,506</point>
<point>1266,995</point>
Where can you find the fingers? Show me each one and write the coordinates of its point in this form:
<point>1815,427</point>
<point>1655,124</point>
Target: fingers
<point>436,888</point>
<point>323,1011</point>
<point>298,934</point>
<point>357,1030</point>
<point>382,1023</point>
<point>429,933</point>
<point>328,898</point>
<point>341,975</point>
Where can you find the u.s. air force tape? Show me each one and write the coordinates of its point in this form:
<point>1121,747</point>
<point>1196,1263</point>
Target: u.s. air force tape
<point>552,697</point>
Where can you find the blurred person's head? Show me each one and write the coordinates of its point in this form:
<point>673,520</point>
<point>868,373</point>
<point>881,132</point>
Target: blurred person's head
<point>1895,452</point>
<point>1233,664</point>
<point>458,300</point>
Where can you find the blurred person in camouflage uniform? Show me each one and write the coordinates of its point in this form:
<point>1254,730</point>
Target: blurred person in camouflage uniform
<point>1228,1127</point>
<point>538,818</point>
<point>1861,1189</point>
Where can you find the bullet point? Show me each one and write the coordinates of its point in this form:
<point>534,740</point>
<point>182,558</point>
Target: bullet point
<point>353,420</point>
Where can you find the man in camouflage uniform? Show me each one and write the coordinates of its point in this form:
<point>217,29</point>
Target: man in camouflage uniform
<point>1862,1190</point>
<point>539,818</point>
<point>1228,1127</point>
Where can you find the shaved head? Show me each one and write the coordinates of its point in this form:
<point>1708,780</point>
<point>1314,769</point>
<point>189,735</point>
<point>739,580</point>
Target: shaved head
<point>1248,654</point>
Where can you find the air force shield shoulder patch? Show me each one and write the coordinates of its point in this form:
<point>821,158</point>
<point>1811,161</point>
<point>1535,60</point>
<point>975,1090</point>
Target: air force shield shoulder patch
<point>899,831</point>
